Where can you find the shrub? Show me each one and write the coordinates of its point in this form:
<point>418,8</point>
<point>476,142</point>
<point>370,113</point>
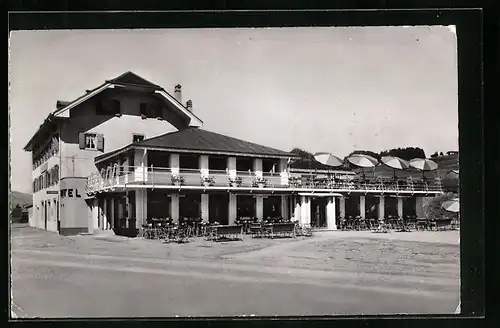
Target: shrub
<point>434,210</point>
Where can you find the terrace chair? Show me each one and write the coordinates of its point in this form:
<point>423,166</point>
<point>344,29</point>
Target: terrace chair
<point>422,224</point>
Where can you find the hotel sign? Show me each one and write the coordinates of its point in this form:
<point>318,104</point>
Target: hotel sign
<point>70,193</point>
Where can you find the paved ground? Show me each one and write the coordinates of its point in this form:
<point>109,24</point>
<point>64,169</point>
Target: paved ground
<point>330,273</point>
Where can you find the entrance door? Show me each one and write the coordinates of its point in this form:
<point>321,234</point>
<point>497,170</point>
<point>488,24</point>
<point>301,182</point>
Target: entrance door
<point>318,212</point>
<point>218,208</point>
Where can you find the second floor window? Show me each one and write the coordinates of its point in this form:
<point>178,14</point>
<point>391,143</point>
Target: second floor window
<point>108,107</point>
<point>91,141</point>
<point>150,110</point>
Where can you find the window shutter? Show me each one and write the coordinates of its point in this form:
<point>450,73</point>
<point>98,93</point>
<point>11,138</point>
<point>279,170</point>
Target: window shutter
<point>81,140</point>
<point>100,142</point>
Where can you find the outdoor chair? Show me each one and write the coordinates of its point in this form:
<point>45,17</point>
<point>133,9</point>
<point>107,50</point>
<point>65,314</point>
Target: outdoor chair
<point>431,225</point>
<point>443,224</point>
<point>283,230</point>
<point>422,224</point>
<point>231,232</point>
<point>255,230</point>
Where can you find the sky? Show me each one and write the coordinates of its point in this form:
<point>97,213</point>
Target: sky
<point>331,89</point>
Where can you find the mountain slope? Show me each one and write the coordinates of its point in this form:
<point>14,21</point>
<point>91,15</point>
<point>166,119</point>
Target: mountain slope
<point>20,198</point>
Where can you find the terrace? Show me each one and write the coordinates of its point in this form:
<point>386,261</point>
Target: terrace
<point>115,178</point>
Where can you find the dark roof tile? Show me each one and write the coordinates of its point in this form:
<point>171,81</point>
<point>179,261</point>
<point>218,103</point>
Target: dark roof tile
<point>202,140</point>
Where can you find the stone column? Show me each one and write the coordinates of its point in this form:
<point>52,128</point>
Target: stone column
<point>284,207</point>
<point>203,164</point>
<point>419,207</point>
<point>141,207</point>
<point>257,167</point>
<point>342,207</point>
<point>305,214</point>
<point>381,208</point>
<point>104,217</point>
<point>95,215</point>
<point>362,206</point>
<point>174,164</point>
<point>283,172</point>
<point>400,207</point>
<point>259,206</point>
<point>330,214</point>
<point>112,214</point>
<point>231,166</point>
<point>233,209</point>
<point>205,207</point>
<point>297,210</point>
<point>141,165</point>
<point>174,207</point>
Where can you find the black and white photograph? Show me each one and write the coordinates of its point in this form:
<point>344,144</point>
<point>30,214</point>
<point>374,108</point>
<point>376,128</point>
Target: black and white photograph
<point>235,172</point>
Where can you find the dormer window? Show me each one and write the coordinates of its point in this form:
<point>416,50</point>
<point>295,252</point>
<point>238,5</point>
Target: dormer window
<point>137,138</point>
<point>148,110</point>
<point>108,107</point>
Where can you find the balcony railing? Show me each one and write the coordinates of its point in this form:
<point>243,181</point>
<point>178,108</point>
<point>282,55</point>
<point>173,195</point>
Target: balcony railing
<point>114,177</point>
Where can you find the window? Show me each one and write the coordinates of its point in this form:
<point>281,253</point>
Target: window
<point>150,110</point>
<point>137,138</point>
<point>91,141</point>
<point>108,107</point>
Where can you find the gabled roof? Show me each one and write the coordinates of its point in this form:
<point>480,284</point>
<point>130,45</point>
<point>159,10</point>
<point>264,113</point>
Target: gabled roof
<point>195,140</point>
<point>126,79</point>
<point>130,78</point>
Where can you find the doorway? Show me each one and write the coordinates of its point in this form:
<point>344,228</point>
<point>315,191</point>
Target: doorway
<point>318,212</point>
<point>218,208</point>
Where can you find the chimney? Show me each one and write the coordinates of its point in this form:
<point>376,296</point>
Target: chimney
<point>189,105</point>
<point>178,93</point>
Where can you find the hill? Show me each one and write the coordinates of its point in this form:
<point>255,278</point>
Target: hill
<point>20,198</point>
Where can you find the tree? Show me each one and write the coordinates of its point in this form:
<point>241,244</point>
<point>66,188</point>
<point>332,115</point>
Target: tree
<point>304,155</point>
<point>17,211</point>
<point>441,154</point>
<point>434,155</point>
<point>407,153</point>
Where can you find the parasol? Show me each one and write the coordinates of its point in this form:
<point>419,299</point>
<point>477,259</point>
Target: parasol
<point>423,164</point>
<point>328,160</point>
<point>452,205</point>
<point>395,163</point>
<point>362,161</point>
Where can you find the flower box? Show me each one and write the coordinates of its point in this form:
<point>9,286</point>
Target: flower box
<point>207,181</point>
<point>177,180</point>
<point>260,182</point>
<point>235,182</point>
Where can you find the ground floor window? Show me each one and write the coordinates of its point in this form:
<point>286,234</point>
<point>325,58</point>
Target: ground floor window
<point>158,204</point>
<point>272,207</point>
<point>371,207</point>
<point>391,207</point>
<point>245,206</point>
<point>190,206</point>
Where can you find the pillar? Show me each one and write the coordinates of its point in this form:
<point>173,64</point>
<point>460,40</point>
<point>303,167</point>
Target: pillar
<point>330,214</point>
<point>283,172</point>
<point>104,217</point>
<point>141,207</point>
<point>204,207</point>
<point>203,165</point>
<point>174,164</point>
<point>257,167</point>
<point>284,207</point>
<point>305,206</point>
<point>112,214</point>
<point>342,207</point>
<point>297,211</point>
<point>231,166</point>
<point>141,165</point>
<point>233,209</point>
<point>381,207</point>
<point>174,207</point>
<point>400,207</point>
<point>95,215</point>
<point>362,206</point>
<point>259,206</point>
<point>125,171</point>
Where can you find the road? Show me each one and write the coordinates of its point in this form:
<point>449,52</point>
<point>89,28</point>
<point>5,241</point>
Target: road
<point>87,276</point>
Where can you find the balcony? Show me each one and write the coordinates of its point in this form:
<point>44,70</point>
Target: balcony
<point>112,179</point>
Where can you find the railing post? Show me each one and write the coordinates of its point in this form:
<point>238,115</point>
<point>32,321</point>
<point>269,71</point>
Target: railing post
<point>152,176</point>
